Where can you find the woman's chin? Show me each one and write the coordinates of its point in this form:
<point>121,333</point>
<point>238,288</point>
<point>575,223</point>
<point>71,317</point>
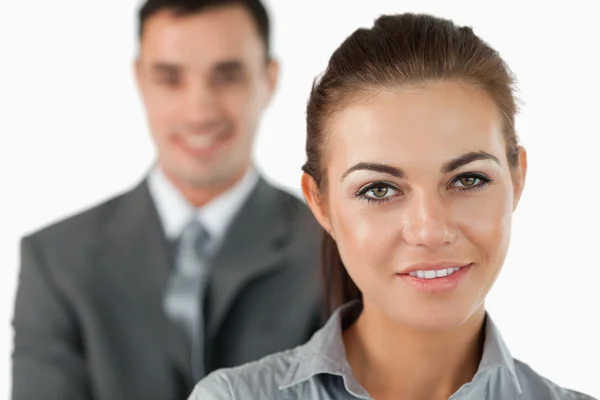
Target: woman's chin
<point>434,318</point>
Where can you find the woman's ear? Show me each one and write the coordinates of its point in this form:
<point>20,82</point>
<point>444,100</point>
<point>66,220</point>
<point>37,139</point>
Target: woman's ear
<point>519,175</point>
<point>315,201</point>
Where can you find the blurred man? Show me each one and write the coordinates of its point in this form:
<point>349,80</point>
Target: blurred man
<point>202,265</point>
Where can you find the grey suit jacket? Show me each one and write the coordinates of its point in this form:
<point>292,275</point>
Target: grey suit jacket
<point>89,322</point>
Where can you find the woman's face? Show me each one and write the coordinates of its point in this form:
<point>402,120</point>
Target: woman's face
<point>419,200</point>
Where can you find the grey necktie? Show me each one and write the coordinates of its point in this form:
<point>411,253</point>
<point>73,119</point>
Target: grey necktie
<point>185,289</point>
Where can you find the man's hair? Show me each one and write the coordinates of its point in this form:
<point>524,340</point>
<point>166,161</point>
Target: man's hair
<point>256,9</point>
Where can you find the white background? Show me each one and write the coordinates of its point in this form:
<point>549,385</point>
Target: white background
<point>72,132</point>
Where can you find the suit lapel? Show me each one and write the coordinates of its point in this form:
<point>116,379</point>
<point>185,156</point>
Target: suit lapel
<point>140,259</point>
<point>253,245</point>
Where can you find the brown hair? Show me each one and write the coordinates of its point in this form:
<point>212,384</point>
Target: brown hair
<point>256,8</point>
<point>405,49</point>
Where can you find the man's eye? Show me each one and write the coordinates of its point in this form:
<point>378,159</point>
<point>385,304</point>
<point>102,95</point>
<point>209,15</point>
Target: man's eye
<point>228,77</point>
<point>168,79</point>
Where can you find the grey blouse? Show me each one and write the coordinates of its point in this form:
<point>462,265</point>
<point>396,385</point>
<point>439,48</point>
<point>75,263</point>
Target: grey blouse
<point>318,370</point>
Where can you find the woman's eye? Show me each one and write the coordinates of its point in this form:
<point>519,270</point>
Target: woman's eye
<point>468,182</point>
<point>380,191</point>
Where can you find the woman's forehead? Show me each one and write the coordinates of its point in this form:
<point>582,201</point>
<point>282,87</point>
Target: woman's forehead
<point>438,121</point>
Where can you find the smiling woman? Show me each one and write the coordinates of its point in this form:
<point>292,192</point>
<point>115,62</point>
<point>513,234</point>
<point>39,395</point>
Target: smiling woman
<point>436,185</point>
<point>414,170</point>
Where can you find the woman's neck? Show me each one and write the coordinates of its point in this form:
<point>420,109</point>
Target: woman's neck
<point>391,360</point>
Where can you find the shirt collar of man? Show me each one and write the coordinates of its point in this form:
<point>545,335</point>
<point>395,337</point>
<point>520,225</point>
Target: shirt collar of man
<point>175,212</point>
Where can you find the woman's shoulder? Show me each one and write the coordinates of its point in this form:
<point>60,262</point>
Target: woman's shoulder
<point>537,386</point>
<point>255,380</point>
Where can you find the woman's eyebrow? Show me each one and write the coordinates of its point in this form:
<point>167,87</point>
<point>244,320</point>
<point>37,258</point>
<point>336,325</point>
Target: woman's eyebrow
<point>448,166</point>
<point>467,158</point>
<point>383,168</point>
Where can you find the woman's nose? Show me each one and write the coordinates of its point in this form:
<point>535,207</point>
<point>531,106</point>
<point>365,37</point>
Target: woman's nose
<point>428,221</point>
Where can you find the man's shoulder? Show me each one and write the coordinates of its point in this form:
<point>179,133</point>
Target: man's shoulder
<point>81,226</point>
<point>296,210</point>
<point>538,387</point>
<point>291,201</point>
<point>305,232</point>
<point>255,380</point>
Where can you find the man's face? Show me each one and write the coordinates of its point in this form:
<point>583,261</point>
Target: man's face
<point>205,81</point>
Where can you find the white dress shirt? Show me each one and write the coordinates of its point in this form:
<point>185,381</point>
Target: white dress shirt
<point>174,211</point>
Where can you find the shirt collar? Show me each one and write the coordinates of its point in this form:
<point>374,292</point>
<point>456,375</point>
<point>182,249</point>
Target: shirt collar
<point>496,354</point>
<point>175,212</point>
<point>325,353</point>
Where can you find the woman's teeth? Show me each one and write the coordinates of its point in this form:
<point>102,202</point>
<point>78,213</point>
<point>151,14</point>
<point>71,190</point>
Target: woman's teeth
<point>434,274</point>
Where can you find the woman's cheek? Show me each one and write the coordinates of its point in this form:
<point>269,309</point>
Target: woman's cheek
<point>486,224</point>
<point>364,241</point>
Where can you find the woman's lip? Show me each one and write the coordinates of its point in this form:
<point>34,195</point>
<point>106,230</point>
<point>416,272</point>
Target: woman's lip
<point>433,267</point>
<point>438,284</point>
